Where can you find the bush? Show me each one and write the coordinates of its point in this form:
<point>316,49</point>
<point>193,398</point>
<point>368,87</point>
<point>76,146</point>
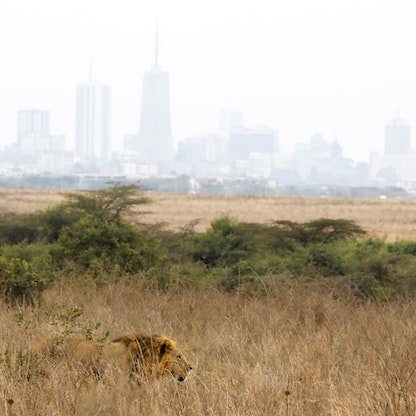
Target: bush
<point>326,259</point>
<point>104,246</point>
<point>222,245</point>
<point>54,219</point>
<point>20,281</point>
<point>403,247</point>
<point>323,230</point>
<point>17,228</point>
<point>25,251</point>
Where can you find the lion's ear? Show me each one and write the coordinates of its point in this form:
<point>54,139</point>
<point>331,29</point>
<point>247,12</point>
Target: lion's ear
<point>165,345</point>
<point>163,349</point>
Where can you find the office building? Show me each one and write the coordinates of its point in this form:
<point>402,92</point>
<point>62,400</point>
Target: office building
<point>93,115</point>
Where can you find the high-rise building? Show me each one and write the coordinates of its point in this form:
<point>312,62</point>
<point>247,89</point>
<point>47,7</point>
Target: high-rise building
<point>32,126</point>
<point>93,116</point>
<point>155,138</point>
<point>397,137</point>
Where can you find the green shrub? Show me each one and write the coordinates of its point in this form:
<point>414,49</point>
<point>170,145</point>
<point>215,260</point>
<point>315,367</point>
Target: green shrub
<point>26,251</point>
<point>54,219</point>
<point>17,228</point>
<point>403,247</point>
<point>222,245</point>
<point>326,259</point>
<point>378,273</point>
<point>21,281</point>
<point>103,246</point>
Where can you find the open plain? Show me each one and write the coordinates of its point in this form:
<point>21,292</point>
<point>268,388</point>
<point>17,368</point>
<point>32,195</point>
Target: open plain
<point>299,352</point>
<point>393,219</point>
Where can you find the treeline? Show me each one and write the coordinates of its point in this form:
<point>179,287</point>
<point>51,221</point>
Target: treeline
<point>101,236</point>
<point>207,186</point>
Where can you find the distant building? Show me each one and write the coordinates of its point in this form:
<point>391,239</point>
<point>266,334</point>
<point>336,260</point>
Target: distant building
<point>155,139</point>
<point>202,155</point>
<point>398,163</point>
<point>93,116</point>
<point>394,169</point>
<point>314,160</point>
<point>206,148</point>
<point>396,137</point>
<point>33,133</point>
<point>36,149</point>
<point>244,141</point>
<point>33,129</point>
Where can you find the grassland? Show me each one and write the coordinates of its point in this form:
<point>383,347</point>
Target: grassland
<point>304,354</point>
<point>297,353</point>
<point>391,218</point>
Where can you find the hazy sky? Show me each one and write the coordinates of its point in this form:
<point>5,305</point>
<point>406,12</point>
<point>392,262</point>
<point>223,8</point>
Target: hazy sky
<point>335,67</point>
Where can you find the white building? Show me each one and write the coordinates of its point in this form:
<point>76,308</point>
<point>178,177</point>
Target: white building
<point>93,115</point>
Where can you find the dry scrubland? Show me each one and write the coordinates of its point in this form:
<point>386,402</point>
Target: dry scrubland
<point>298,355</point>
<point>394,219</point>
<point>292,354</point>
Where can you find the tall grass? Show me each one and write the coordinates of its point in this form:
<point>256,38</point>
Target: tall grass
<point>296,354</point>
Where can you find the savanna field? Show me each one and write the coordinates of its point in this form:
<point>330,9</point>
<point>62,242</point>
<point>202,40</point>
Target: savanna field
<point>287,347</point>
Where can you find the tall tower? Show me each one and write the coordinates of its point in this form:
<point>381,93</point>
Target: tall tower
<point>93,111</point>
<point>155,139</point>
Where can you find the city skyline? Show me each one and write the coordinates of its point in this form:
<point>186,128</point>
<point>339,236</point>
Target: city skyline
<point>296,67</point>
<point>243,153</point>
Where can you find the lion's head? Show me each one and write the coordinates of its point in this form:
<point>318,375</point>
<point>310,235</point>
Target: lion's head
<point>159,354</point>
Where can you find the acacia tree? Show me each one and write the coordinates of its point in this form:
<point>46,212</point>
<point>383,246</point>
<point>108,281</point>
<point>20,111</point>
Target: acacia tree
<point>108,204</point>
<point>102,238</point>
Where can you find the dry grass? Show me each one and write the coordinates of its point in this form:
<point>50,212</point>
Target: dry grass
<point>304,354</point>
<point>22,201</point>
<point>394,219</point>
<point>301,354</point>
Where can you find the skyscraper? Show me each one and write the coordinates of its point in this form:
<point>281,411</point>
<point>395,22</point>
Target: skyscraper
<point>155,139</point>
<point>93,114</point>
<point>396,137</point>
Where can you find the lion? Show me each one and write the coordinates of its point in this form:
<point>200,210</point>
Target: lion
<point>132,356</point>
